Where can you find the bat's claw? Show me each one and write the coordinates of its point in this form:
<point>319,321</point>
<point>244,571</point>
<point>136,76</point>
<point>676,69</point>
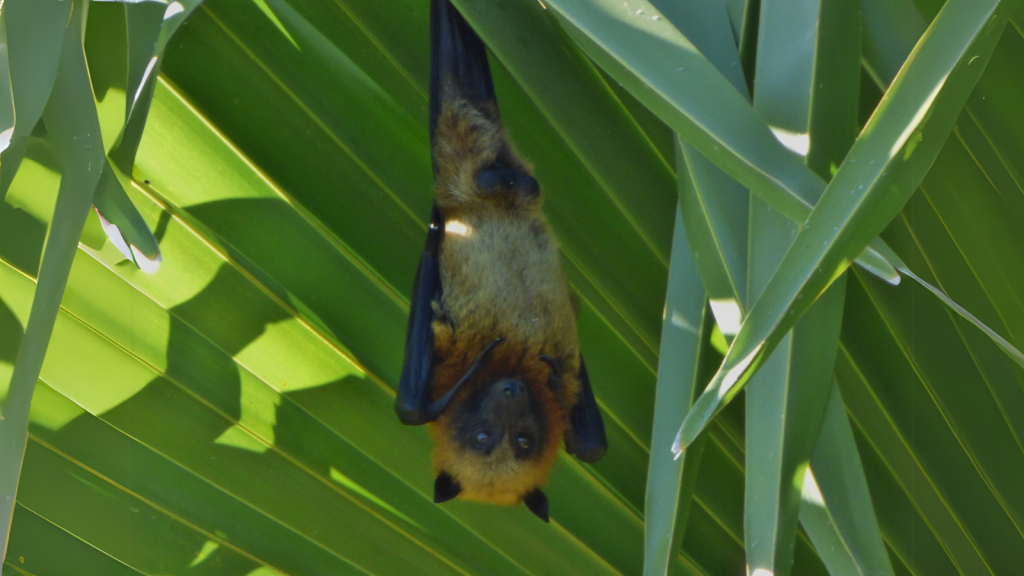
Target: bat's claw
<point>555,379</point>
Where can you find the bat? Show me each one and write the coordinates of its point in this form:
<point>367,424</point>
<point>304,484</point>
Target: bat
<point>492,355</point>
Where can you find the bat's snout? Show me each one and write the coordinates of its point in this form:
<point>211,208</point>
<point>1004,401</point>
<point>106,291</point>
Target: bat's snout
<point>509,398</point>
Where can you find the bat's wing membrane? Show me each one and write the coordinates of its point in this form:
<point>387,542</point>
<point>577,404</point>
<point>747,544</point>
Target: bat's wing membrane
<point>414,389</point>
<point>459,62</point>
<point>585,437</point>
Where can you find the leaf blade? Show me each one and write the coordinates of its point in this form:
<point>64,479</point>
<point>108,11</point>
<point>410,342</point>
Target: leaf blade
<point>149,27</point>
<point>836,500</point>
<point>70,114</point>
<point>34,32</point>
<point>645,53</point>
<point>804,62</point>
<point>862,198</point>
<point>684,333</point>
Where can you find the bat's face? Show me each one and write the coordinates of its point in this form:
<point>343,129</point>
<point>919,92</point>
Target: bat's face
<point>496,445</point>
<point>501,426</point>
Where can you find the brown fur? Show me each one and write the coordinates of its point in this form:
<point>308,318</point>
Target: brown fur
<point>501,278</point>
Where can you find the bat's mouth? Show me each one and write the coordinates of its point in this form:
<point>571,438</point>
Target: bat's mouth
<point>437,408</point>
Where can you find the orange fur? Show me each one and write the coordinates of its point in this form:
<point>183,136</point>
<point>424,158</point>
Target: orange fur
<point>502,278</point>
<point>505,481</point>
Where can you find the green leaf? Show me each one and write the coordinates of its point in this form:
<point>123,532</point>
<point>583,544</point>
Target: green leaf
<point>956,479</point>
<point>147,403</point>
<point>34,31</point>
<point>6,96</point>
<point>891,29</point>
<point>994,112</point>
<point>662,68</point>
<point>671,483</point>
<point>786,401</point>
<point>714,206</point>
<point>83,502</point>
<point>995,396</point>
<point>784,408</point>
<point>910,540</point>
<point>884,167</point>
<point>822,75</point>
<point>706,25</point>
<point>888,57</point>
<point>121,221</point>
<point>836,508</point>
<point>737,17</point>
<point>685,330</point>
<point>287,357</point>
<point>73,125</point>
<point>316,100</point>
<point>715,209</point>
<point>1001,342</point>
<point>39,547</point>
<point>149,26</point>
<point>937,237</point>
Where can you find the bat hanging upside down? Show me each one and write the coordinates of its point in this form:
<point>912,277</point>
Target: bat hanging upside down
<point>492,357</point>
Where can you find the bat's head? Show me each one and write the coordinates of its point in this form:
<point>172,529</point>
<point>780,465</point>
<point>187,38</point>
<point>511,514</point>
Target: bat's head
<point>499,437</point>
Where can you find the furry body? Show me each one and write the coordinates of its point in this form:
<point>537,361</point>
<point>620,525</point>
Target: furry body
<point>502,278</point>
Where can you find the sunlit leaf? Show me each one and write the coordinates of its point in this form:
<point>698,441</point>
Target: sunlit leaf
<point>34,31</point>
<point>149,25</point>
<point>74,130</point>
<point>884,167</point>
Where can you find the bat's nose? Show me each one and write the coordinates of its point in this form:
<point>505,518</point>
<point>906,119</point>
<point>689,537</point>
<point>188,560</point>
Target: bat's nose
<point>513,388</point>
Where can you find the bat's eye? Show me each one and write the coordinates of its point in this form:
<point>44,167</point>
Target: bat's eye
<point>482,438</point>
<point>524,442</point>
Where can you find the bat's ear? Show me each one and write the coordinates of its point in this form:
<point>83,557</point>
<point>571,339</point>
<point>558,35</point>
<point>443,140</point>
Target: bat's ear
<point>537,502</point>
<point>446,488</point>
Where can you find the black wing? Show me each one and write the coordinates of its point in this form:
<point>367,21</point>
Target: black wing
<point>459,62</point>
<point>414,390</point>
<point>458,59</point>
<point>585,437</point>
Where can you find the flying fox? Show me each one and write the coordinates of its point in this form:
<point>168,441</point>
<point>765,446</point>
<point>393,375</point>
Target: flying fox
<point>492,354</point>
